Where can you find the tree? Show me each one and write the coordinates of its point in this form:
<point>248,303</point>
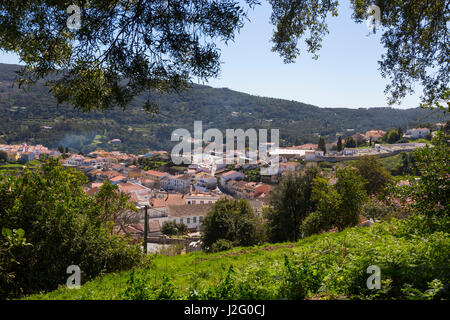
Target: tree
<point>290,204</point>
<point>392,136</point>
<point>124,48</point>
<point>328,205</point>
<point>322,145</point>
<point>350,185</point>
<point>63,225</point>
<point>232,220</point>
<point>339,144</point>
<point>3,156</point>
<point>409,166</point>
<point>376,176</point>
<point>350,143</point>
<point>430,194</point>
<point>172,228</point>
<point>337,206</point>
<point>113,205</point>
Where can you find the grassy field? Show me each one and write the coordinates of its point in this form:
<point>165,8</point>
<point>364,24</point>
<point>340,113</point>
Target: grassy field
<point>330,265</point>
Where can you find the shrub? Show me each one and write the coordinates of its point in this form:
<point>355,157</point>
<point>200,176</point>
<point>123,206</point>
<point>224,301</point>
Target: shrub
<point>64,226</point>
<point>374,209</point>
<point>221,245</point>
<point>233,220</point>
<point>172,228</point>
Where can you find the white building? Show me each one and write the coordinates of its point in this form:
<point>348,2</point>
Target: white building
<point>350,151</point>
<point>201,198</point>
<point>205,182</point>
<point>190,214</point>
<point>179,182</point>
<point>231,175</point>
<point>418,133</point>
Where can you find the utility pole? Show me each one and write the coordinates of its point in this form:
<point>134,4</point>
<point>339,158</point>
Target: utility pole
<point>145,229</point>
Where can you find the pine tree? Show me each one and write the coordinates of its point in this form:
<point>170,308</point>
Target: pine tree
<point>339,144</point>
<point>350,143</point>
<point>322,145</point>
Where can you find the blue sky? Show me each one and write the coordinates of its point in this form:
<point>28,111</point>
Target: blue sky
<point>345,75</point>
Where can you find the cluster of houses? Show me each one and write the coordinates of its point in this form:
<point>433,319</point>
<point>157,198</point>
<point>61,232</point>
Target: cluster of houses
<point>187,196</point>
<point>26,153</point>
<point>184,197</point>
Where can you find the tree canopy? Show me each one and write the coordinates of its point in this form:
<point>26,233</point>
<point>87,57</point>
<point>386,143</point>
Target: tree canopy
<point>124,48</point>
<point>63,226</point>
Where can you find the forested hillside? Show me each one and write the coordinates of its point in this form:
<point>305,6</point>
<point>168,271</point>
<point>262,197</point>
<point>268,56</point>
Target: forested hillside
<point>27,116</point>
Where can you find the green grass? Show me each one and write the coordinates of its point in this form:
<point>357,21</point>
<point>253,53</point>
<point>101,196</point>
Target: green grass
<point>329,265</point>
<point>12,166</point>
<point>392,163</point>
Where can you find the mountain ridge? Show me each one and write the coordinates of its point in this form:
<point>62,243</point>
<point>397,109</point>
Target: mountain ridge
<point>27,112</point>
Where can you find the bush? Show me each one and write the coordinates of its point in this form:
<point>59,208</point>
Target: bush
<point>64,226</point>
<point>312,224</point>
<point>374,209</point>
<point>233,220</point>
<point>221,245</point>
<point>172,228</point>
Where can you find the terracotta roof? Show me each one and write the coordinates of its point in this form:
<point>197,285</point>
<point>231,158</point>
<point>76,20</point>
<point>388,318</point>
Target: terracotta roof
<point>307,146</point>
<point>92,191</point>
<point>96,184</point>
<point>117,178</point>
<point>156,173</point>
<point>375,133</point>
<point>229,173</point>
<point>128,187</point>
<point>171,199</point>
<point>189,210</point>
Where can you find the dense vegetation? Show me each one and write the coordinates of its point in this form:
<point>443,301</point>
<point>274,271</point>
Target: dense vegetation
<point>230,222</point>
<point>413,258</point>
<point>28,115</point>
<point>49,223</point>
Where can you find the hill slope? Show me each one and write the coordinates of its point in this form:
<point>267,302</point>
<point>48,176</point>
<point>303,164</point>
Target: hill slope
<point>328,265</point>
<point>24,114</point>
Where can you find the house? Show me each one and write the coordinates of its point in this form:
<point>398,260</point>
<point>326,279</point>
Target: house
<point>164,199</point>
<point>118,179</point>
<point>75,160</point>
<point>418,133</point>
<point>139,192</point>
<point>359,138</point>
<point>289,166</point>
<point>156,176</point>
<point>27,156</point>
<point>205,182</point>
<point>307,146</point>
<point>237,188</point>
<point>201,198</point>
<point>191,215</point>
<point>179,182</point>
<point>350,151</point>
<point>255,189</point>
<point>231,175</point>
<point>375,134</point>
<point>310,155</point>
